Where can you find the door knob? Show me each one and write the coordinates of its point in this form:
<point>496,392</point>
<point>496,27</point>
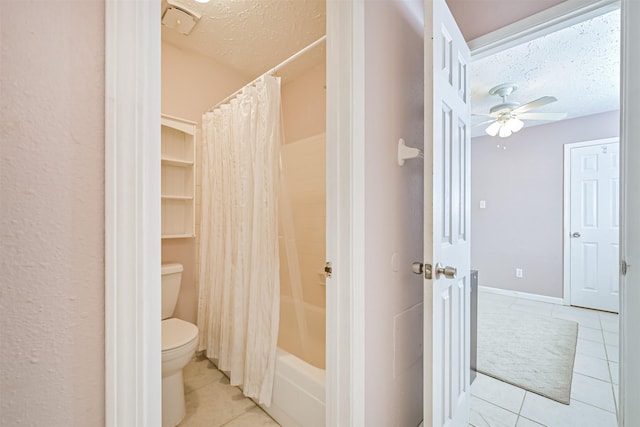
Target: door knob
<point>448,271</point>
<point>575,234</point>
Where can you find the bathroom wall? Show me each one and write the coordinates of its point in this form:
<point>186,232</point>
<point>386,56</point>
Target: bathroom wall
<point>304,104</point>
<point>303,250</point>
<point>52,213</point>
<point>521,226</point>
<point>394,91</point>
<point>191,84</point>
<point>302,314</point>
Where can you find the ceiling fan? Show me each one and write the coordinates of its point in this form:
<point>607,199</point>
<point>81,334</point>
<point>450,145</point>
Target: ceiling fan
<point>506,117</point>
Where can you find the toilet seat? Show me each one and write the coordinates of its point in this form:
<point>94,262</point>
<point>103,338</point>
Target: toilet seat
<point>177,333</point>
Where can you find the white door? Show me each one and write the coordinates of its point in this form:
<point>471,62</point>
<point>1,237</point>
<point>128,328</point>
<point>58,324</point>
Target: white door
<point>446,222</point>
<point>594,225</point>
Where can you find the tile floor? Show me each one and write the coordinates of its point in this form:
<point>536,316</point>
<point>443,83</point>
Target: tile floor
<point>225,405</point>
<point>594,389</point>
<point>494,403</point>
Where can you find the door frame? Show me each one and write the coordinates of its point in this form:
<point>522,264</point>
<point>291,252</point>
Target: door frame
<point>546,22</point>
<point>628,409</point>
<point>566,211</point>
<point>133,376</point>
<point>345,370</point>
<point>132,211</point>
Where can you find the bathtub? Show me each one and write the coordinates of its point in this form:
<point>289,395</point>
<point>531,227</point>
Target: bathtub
<point>298,393</point>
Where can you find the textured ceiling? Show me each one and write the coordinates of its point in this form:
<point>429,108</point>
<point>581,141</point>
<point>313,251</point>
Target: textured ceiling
<point>579,65</point>
<point>252,36</point>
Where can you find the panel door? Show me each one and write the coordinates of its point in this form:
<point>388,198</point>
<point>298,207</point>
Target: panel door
<point>594,226</point>
<point>447,202</point>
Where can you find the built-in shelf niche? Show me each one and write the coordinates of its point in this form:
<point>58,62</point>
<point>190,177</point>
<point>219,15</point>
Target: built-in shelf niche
<point>178,178</point>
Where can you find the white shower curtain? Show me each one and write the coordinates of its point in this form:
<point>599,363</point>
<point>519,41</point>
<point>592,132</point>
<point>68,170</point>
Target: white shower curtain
<point>239,295</point>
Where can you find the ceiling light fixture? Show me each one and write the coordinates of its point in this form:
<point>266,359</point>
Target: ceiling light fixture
<point>505,126</point>
<point>506,117</point>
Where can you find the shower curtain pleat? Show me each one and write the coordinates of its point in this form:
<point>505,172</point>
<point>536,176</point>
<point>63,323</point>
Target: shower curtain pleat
<point>239,295</point>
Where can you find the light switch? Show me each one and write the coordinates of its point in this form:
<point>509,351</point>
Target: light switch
<point>483,204</point>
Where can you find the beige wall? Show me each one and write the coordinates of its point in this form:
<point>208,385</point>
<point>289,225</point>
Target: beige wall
<point>191,84</point>
<point>52,213</point>
<point>521,226</point>
<point>302,250</point>
<point>304,104</point>
<point>393,217</point>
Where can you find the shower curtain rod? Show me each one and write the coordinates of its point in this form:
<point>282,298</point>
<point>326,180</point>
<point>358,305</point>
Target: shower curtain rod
<point>272,70</point>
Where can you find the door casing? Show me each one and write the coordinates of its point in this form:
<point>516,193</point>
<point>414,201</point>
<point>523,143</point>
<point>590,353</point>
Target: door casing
<point>629,410</point>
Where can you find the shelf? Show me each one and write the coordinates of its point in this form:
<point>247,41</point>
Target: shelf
<point>178,236</point>
<point>177,189</point>
<point>168,197</point>
<point>176,162</point>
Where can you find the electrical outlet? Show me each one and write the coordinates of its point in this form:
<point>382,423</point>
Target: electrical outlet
<point>519,273</point>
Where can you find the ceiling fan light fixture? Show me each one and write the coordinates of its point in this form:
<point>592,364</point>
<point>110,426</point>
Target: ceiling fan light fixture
<point>514,124</point>
<point>508,116</point>
<point>493,128</point>
<point>504,131</point>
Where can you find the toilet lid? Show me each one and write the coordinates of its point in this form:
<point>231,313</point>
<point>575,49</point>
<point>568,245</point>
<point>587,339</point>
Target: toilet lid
<point>176,333</point>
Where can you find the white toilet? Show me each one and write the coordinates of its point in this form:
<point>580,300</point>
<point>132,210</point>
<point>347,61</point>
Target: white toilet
<point>179,342</point>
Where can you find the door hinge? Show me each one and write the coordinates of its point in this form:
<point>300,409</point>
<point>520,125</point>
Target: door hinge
<point>328,269</point>
<point>623,267</point>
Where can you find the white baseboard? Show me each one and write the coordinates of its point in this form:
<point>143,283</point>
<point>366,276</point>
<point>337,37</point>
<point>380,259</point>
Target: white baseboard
<point>523,295</point>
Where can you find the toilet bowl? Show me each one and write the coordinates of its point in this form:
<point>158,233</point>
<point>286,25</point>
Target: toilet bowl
<point>179,342</point>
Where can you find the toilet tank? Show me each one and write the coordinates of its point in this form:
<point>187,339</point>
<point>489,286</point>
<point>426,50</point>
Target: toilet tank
<point>171,278</point>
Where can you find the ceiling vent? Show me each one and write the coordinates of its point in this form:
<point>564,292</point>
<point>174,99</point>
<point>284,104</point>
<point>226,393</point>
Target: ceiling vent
<point>179,18</point>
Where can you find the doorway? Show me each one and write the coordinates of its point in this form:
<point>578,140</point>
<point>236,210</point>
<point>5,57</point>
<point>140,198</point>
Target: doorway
<point>199,79</point>
<point>532,199</point>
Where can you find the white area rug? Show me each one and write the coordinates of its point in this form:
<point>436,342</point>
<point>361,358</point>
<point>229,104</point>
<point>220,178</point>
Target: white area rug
<point>532,352</point>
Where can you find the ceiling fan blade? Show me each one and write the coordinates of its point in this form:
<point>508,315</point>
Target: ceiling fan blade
<point>482,123</point>
<point>535,104</point>
<point>481,115</point>
<point>542,116</point>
